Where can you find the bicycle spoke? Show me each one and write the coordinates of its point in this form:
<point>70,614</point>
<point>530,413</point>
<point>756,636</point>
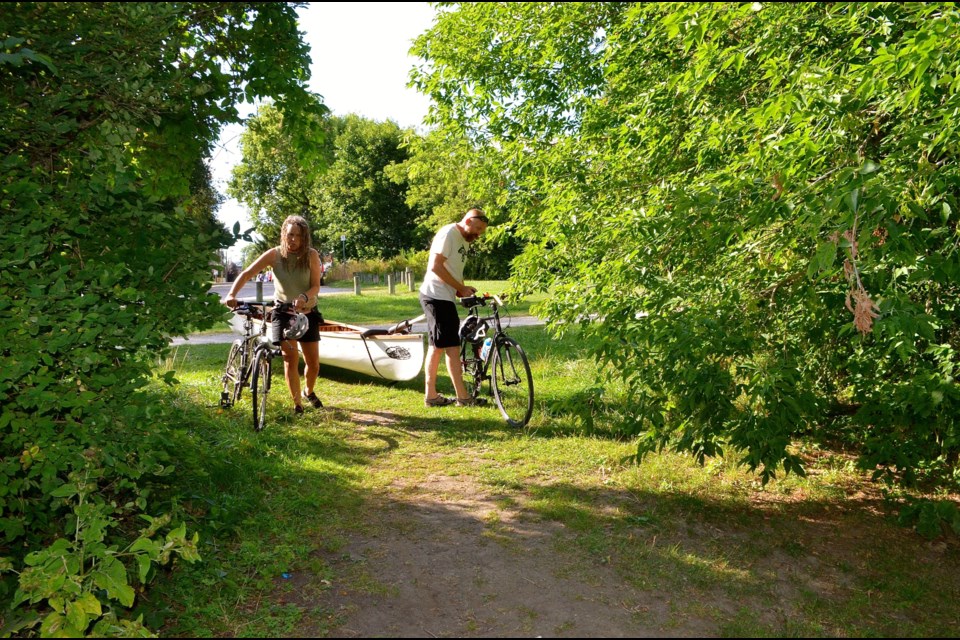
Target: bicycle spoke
<point>232,375</point>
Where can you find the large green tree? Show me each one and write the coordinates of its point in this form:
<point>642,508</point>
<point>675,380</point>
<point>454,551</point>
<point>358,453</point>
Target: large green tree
<point>753,206</point>
<point>276,176</point>
<point>343,192</point>
<point>109,110</point>
<point>359,201</point>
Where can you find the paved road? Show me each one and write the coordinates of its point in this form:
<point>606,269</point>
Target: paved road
<point>249,290</point>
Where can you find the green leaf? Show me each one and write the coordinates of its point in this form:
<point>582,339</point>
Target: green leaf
<point>143,566</point>
<point>826,255</point>
<point>112,577</point>
<point>853,199</point>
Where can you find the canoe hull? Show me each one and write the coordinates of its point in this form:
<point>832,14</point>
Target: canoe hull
<point>393,357</point>
<point>396,357</point>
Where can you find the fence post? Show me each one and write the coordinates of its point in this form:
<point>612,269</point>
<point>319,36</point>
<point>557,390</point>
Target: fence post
<point>410,278</point>
<point>390,286</point>
<point>356,284</point>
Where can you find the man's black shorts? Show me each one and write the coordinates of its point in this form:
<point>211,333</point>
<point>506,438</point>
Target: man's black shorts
<point>443,323</point>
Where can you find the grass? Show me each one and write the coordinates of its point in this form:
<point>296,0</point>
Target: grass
<point>276,511</point>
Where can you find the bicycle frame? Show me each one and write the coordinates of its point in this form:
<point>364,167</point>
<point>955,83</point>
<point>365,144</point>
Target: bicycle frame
<point>498,335</point>
<point>251,360</point>
<point>505,365</point>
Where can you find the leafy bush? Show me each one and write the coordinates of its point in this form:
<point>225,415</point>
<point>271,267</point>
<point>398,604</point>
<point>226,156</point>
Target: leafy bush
<point>753,207</point>
<point>931,518</point>
<point>110,234</point>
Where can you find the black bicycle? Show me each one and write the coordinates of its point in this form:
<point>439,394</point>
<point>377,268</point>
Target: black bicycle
<point>251,359</point>
<point>488,353</point>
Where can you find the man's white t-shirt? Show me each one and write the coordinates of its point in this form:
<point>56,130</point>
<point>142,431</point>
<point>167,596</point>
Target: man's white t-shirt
<point>450,244</point>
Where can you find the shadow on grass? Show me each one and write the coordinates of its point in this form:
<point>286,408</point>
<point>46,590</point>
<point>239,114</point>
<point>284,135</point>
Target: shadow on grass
<point>297,541</point>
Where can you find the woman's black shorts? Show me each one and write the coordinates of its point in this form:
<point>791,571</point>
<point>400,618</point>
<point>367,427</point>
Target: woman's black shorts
<point>314,318</point>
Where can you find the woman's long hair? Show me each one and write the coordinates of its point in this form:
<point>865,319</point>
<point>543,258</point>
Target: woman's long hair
<point>301,259</point>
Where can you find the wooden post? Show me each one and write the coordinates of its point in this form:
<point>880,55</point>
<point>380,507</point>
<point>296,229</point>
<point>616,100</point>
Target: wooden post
<point>356,283</point>
<point>390,286</point>
<point>410,279</point>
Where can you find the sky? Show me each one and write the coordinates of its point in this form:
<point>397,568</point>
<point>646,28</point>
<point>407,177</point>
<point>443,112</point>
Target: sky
<point>359,65</point>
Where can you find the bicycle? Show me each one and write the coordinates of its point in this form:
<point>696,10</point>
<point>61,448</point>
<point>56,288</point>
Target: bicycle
<point>251,358</point>
<point>497,358</point>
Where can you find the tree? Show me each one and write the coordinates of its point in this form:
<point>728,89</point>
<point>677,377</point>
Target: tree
<point>346,193</point>
<point>757,201</point>
<point>359,200</point>
<point>109,111</point>
<point>275,178</point>
<point>445,174</point>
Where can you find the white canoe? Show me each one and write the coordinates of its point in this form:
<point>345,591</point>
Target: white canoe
<point>394,356</point>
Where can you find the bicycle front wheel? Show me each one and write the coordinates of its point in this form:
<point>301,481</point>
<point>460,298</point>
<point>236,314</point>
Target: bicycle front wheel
<point>232,376</point>
<point>259,387</point>
<point>512,382</point>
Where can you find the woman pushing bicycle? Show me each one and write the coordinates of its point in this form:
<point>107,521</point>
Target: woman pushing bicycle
<point>296,278</point>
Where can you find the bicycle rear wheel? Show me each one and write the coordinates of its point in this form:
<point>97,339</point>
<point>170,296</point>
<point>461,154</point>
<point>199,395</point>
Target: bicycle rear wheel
<point>259,387</point>
<point>472,368</point>
<point>232,376</point>
<point>512,382</point>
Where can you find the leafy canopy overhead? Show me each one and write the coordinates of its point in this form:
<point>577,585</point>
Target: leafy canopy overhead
<point>753,205</point>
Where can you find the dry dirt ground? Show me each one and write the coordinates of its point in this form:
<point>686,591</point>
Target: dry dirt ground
<point>436,566</point>
<point>447,558</point>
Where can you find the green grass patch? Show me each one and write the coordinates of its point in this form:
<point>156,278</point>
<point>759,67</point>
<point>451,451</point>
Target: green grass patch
<point>276,510</point>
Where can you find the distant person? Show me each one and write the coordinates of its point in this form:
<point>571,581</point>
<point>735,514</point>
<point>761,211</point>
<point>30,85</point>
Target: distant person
<point>297,268</point>
<point>441,287</point>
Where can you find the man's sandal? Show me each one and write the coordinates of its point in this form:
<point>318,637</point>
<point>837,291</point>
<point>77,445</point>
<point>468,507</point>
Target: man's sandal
<point>439,401</point>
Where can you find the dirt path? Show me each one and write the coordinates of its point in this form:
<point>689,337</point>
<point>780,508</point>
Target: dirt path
<point>471,566</point>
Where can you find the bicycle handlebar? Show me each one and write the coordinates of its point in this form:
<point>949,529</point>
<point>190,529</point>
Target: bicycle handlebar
<point>474,301</point>
<point>246,305</point>
<point>401,328</point>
